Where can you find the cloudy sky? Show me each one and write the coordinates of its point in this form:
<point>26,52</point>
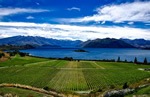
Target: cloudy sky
<point>75,19</point>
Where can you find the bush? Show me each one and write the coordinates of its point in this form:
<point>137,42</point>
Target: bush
<point>46,88</point>
<point>12,54</point>
<point>99,90</point>
<point>1,55</point>
<point>118,60</point>
<point>145,61</point>
<point>68,58</point>
<point>135,60</point>
<point>112,86</point>
<point>22,54</point>
<point>125,85</point>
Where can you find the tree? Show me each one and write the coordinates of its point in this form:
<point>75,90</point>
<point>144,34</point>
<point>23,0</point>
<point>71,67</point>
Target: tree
<point>118,60</point>
<point>46,88</point>
<point>11,53</point>
<point>125,85</point>
<point>1,55</point>
<point>135,60</point>
<point>145,61</point>
<point>68,58</point>
<point>125,60</point>
<point>22,54</point>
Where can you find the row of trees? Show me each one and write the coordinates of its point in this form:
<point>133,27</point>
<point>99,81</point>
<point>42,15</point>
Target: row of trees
<point>144,62</point>
<point>135,61</point>
<point>13,53</point>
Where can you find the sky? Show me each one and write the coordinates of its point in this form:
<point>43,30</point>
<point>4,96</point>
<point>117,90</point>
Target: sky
<point>75,19</point>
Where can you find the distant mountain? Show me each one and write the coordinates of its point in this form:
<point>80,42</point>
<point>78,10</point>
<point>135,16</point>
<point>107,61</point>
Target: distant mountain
<point>106,43</point>
<point>139,43</point>
<point>38,41</point>
<point>15,47</point>
<point>41,42</point>
<point>24,40</point>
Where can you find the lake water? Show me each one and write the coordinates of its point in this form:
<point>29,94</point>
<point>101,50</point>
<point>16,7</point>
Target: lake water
<point>92,54</point>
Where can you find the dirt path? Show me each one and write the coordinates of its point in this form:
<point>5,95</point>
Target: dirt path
<point>98,65</point>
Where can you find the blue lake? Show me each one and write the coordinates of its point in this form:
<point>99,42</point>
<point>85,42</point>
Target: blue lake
<point>92,54</point>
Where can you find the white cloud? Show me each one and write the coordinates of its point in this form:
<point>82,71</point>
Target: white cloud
<point>11,11</point>
<point>103,22</point>
<point>130,23</point>
<point>59,31</point>
<point>37,3</point>
<point>73,8</point>
<point>136,11</point>
<point>147,24</point>
<point>30,17</point>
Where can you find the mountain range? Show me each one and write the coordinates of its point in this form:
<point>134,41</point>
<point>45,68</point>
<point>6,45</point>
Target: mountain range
<point>38,41</point>
<point>139,43</point>
<point>30,41</point>
<point>106,43</point>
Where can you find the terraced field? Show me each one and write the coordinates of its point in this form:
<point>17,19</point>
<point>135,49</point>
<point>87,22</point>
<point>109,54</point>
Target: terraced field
<point>64,75</point>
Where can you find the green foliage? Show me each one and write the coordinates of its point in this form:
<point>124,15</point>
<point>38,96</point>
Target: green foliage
<point>22,54</point>
<point>135,60</point>
<point>145,61</point>
<point>1,55</point>
<point>62,75</point>
<point>125,85</point>
<point>46,88</point>
<point>125,60</point>
<point>68,58</point>
<point>15,52</point>
<point>20,61</point>
<point>118,60</point>
<point>143,92</point>
<point>20,92</point>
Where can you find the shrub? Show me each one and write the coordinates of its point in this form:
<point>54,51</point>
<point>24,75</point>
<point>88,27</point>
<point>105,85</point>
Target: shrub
<point>145,61</point>
<point>1,55</point>
<point>118,60</point>
<point>46,88</point>
<point>125,85</point>
<point>135,60</point>
<point>68,58</point>
<point>99,90</point>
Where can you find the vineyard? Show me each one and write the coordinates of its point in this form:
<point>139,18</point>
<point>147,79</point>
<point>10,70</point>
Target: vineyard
<point>62,75</point>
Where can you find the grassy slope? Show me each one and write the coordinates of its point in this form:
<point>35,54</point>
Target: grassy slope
<point>17,60</point>
<point>144,91</point>
<point>70,76</point>
<point>21,92</point>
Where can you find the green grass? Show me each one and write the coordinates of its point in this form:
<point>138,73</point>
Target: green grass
<point>64,75</point>
<point>143,91</point>
<point>21,92</point>
<point>20,61</point>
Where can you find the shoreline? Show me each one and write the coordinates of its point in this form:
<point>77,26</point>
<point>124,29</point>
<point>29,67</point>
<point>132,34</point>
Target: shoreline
<point>103,60</point>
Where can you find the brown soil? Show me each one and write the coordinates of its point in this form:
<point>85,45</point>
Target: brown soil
<point>4,58</point>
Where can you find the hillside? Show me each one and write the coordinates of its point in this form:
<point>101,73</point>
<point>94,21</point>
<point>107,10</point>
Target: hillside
<point>70,76</point>
<point>38,41</point>
<point>4,56</point>
<point>140,43</point>
<point>106,43</point>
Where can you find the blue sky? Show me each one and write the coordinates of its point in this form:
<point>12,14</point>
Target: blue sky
<point>75,19</point>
